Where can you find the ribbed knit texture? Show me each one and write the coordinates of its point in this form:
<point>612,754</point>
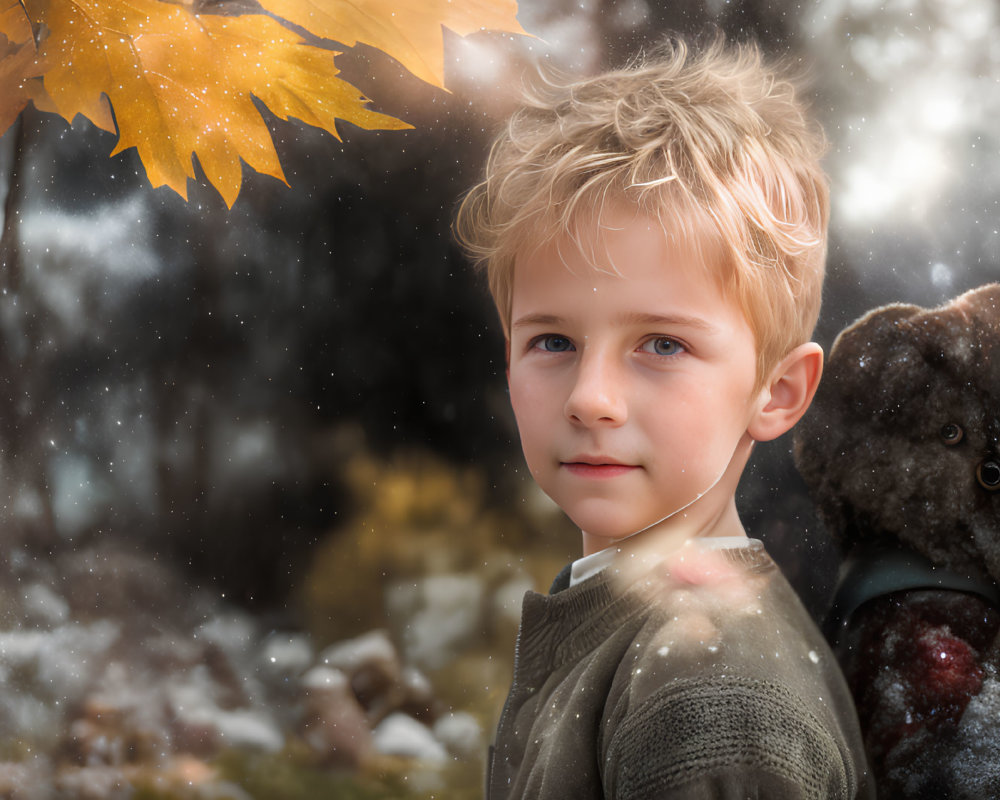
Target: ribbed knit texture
<point>695,729</point>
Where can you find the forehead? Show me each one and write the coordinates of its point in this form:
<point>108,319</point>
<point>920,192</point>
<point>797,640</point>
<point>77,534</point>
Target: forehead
<point>587,227</point>
<point>622,242</point>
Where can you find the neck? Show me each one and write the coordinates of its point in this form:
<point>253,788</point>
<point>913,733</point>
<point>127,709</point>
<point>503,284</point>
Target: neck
<point>669,534</point>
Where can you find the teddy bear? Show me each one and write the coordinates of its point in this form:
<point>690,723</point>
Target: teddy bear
<point>901,454</point>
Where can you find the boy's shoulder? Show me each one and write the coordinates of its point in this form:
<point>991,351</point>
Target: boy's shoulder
<point>724,611</point>
<point>730,677</point>
<point>693,684</point>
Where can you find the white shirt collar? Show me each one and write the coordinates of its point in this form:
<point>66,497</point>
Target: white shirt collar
<point>588,566</point>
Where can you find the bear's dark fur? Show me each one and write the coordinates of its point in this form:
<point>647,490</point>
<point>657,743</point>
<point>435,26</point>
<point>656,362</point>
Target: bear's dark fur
<point>901,452</point>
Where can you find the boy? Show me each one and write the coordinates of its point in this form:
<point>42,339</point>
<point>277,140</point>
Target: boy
<point>655,239</point>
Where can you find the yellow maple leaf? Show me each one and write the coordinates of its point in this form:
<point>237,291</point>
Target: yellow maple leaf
<point>176,84</point>
<point>408,30</point>
<point>180,83</point>
<point>17,62</point>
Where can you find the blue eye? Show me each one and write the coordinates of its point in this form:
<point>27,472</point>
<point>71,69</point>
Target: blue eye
<point>554,344</point>
<point>663,346</point>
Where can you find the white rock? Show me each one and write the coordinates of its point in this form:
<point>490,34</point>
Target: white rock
<point>65,659</point>
<point>249,729</point>
<point>443,614</point>
<point>235,633</point>
<point>508,597</point>
<point>24,715</point>
<point>321,678</point>
<point>287,654</point>
<point>20,648</point>
<point>461,733</point>
<point>416,683</point>
<point>44,606</point>
<point>401,735</point>
<point>192,699</point>
<point>351,655</point>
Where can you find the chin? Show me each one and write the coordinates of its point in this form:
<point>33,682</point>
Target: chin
<point>608,538</point>
<point>607,530</point>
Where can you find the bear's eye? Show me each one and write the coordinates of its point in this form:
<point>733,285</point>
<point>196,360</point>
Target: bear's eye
<point>951,433</point>
<point>988,475</point>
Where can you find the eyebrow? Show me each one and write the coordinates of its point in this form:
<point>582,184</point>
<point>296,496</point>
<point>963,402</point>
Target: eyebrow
<point>633,318</point>
<point>670,320</point>
<point>537,319</point>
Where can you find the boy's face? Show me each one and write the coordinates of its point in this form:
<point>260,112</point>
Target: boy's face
<point>632,392</point>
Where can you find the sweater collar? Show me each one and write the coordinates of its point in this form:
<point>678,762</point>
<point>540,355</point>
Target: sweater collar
<point>572,620</point>
<point>588,566</point>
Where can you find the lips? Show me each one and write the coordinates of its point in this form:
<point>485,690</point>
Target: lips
<point>597,467</point>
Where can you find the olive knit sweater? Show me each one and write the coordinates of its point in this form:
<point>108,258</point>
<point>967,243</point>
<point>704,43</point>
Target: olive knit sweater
<point>666,689</point>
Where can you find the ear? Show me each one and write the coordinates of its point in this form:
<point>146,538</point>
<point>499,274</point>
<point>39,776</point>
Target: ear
<point>788,392</point>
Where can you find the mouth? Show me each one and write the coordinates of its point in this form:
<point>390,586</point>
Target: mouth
<point>597,467</point>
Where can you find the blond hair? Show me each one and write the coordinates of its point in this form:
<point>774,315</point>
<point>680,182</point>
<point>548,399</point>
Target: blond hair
<point>714,143</point>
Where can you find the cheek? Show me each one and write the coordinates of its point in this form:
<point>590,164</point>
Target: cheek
<point>527,392</point>
<point>524,405</point>
<point>728,400</point>
<point>534,420</point>
<point>515,392</point>
<point>694,429</point>
<point>532,429</point>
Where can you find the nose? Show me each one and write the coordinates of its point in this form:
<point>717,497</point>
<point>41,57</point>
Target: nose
<point>598,393</point>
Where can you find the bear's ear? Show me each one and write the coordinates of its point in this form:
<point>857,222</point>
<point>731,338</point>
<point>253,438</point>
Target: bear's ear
<point>872,336</point>
<point>788,392</point>
<point>871,362</point>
